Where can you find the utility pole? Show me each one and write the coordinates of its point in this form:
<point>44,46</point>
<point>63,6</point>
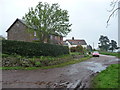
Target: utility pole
<point>93,45</point>
<point>118,24</point>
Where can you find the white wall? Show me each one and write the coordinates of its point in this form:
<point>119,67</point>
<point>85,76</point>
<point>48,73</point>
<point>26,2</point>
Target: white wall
<point>84,46</point>
<point>69,45</point>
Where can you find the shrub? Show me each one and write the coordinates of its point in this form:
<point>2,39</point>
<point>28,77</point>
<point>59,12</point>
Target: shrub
<point>31,49</point>
<point>73,49</point>
<point>80,49</point>
<point>77,49</point>
<point>38,64</point>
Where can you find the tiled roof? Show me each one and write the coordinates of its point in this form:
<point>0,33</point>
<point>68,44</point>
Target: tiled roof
<point>64,43</point>
<point>77,42</point>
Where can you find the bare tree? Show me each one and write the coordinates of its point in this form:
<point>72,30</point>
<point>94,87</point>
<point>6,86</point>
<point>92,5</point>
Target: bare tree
<point>113,9</point>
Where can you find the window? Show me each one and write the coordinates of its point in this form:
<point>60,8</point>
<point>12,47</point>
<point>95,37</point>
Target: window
<point>34,33</point>
<point>51,37</point>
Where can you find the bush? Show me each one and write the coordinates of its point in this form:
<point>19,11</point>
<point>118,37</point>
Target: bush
<point>73,49</point>
<point>38,64</point>
<point>41,61</point>
<point>79,49</point>
<point>31,49</point>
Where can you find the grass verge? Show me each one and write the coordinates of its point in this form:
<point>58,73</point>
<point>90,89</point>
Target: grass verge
<point>111,53</point>
<point>108,78</point>
<point>48,67</point>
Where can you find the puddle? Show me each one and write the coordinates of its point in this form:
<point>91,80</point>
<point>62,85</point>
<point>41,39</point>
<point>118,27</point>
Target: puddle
<point>95,67</point>
<point>73,70</point>
<point>98,67</point>
<point>114,60</point>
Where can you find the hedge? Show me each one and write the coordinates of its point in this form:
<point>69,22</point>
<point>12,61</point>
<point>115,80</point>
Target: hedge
<point>31,49</point>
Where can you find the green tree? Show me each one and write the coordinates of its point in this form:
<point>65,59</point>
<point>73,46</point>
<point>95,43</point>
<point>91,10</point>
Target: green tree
<point>104,41</point>
<point>47,19</point>
<point>113,45</point>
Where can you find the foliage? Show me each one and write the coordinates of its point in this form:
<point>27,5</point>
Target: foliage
<point>75,53</point>
<point>73,49</point>
<point>106,45</point>
<point>38,64</point>
<point>48,19</point>
<point>52,62</point>
<point>79,49</point>
<point>104,41</point>
<point>107,78</point>
<point>113,45</point>
<point>31,49</point>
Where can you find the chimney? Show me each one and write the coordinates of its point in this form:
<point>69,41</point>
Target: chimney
<point>72,38</point>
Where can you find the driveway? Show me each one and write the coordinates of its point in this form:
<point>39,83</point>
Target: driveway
<point>69,76</point>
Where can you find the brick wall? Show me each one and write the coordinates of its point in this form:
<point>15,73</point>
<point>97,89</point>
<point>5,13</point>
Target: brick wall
<point>19,32</point>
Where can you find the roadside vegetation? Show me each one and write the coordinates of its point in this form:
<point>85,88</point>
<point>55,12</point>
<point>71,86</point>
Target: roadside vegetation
<point>32,49</point>
<point>105,44</point>
<point>33,55</point>
<point>111,53</point>
<point>108,78</point>
<point>41,62</point>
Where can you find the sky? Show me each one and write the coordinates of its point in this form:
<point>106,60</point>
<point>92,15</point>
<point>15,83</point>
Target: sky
<point>88,17</point>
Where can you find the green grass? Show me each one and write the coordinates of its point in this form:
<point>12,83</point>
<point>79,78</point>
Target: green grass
<point>47,67</point>
<point>111,53</point>
<point>108,78</point>
<point>75,53</point>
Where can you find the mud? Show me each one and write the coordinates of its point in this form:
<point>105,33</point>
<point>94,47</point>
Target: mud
<point>72,76</point>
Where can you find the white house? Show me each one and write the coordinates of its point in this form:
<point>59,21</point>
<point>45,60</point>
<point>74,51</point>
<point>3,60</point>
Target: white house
<point>75,42</point>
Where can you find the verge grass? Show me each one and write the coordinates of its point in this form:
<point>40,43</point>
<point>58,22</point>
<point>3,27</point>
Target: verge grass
<point>108,78</point>
<point>111,53</point>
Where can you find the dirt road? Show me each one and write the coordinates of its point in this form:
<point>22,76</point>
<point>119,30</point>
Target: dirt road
<point>69,76</point>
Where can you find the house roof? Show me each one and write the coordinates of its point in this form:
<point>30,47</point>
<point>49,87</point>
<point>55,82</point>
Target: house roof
<point>64,43</point>
<point>76,42</point>
<point>15,22</point>
<point>23,22</point>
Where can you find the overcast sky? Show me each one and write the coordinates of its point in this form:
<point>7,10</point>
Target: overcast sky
<point>88,17</point>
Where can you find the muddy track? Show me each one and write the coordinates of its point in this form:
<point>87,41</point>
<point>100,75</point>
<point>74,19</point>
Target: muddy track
<point>72,76</point>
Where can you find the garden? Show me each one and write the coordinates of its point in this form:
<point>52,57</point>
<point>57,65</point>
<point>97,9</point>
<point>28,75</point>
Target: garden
<point>33,55</point>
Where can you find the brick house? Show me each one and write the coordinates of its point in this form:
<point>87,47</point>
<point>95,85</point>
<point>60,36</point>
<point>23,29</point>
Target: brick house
<point>19,31</point>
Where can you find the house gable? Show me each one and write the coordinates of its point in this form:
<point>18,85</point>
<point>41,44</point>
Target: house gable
<point>17,20</point>
<point>18,31</point>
